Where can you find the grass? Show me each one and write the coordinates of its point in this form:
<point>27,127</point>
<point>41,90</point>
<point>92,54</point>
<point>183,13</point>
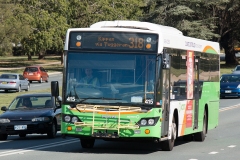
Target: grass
<point>19,63</point>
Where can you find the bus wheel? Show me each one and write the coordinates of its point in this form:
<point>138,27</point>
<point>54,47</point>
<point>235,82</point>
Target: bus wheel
<point>169,144</point>
<point>200,136</point>
<point>87,142</point>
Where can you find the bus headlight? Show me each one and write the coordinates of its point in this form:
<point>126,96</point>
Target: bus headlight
<point>151,121</point>
<point>67,118</point>
<point>143,122</point>
<point>74,119</point>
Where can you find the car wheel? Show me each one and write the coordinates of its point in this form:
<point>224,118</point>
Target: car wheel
<point>3,136</point>
<point>28,87</point>
<point>40,80</point>
<point>169,144</point>
<point>87,142</point>
<point>6,90</point>
<point>19,89</point>
<point>22,135</point>
<point>30,81</point>
<point>200,136</point>
<point>47,80</point>
<point>53,131</point>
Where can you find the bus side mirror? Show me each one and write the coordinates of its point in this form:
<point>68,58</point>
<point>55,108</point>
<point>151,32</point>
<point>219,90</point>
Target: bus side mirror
<point>165,61</point>
<point>55,88</point>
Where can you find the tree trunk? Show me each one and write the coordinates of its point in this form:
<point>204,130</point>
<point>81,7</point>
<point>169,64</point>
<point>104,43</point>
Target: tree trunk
<point>41,55</point>
<point>230,57</point>
<point>29,56</point>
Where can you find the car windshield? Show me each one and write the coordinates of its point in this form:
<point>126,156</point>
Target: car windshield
<point>31,69</point>
<point>31,102</point>
<point>110,78</point>
<point>230,78</point>
<point>8,76</point>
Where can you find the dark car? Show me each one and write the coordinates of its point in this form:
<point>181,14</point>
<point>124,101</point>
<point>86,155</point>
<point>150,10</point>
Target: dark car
<point>30,113</point>
<point>13,81</point>
<point>230,85</point>
<point>36,73</point>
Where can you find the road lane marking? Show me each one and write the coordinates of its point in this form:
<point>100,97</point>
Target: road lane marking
<point>34,148</point>
<point>213,153</point>
<point>228,108</point>
<point>232,146</point>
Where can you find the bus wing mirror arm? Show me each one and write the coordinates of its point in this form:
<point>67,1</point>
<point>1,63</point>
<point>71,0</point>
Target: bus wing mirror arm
<point>165,60</point>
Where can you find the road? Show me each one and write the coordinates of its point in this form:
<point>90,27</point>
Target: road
<point>221,143</point>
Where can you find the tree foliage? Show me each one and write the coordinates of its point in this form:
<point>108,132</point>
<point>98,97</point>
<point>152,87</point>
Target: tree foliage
<point>216,20</point>
<point>40,25</point>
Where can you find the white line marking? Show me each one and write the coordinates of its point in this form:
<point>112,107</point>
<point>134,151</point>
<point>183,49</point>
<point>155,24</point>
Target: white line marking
<point>28,149</point>
<point>213,153</point>
<point>228,108</point>
<point>232,146</point>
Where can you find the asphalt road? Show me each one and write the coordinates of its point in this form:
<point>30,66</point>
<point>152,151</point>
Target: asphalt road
<point>220,144</point>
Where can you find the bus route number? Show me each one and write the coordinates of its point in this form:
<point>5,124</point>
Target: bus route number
<point>136,42</point>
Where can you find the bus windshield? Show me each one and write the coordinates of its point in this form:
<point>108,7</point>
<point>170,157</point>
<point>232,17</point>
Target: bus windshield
<point>102,78</point>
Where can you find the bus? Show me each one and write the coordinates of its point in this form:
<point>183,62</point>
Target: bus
<point>154,84</point>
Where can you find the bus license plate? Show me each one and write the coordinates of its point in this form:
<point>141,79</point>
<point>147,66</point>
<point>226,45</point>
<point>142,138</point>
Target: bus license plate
<point>20,127</point>
<point>228,91</point>
<point>78,129</point>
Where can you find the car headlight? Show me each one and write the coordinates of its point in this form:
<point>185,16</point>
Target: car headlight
<point>40,119</point>
<point>143,122</point>
<point>4,120</point>
<point>238,86</point>
<point>67,118</point>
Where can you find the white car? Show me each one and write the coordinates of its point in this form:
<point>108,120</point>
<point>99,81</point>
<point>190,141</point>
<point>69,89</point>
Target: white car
<point>13,81</point>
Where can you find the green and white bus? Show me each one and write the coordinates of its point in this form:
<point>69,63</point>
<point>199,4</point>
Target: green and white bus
<point>154,84</point>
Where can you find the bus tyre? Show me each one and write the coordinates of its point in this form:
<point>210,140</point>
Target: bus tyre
<point>87,142</point>
<point>200,136</point>
<point>169,144</point>
<point>3,137</point>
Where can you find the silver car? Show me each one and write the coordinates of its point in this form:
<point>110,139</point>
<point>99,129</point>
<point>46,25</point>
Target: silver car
<point>13,81</point>
<point>236,70</point>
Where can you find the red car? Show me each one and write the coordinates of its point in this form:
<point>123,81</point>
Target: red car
<point>35,73</point>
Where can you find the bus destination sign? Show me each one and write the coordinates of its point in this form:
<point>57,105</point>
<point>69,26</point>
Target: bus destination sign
<point>114,41</point>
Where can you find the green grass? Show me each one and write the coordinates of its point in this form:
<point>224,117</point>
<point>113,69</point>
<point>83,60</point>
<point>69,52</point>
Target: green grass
<point>20,62</point>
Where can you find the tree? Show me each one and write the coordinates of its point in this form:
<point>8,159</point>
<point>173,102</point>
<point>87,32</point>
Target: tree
<point>87,12</point>
<point>216,20</point>
<point>14,25</point>
<point>48,27</point>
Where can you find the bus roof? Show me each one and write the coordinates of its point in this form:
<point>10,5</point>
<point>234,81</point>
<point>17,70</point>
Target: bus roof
<point>136,25</point>
<point>169,37</point>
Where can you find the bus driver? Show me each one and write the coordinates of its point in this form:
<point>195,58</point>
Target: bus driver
<point>89,80</point>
